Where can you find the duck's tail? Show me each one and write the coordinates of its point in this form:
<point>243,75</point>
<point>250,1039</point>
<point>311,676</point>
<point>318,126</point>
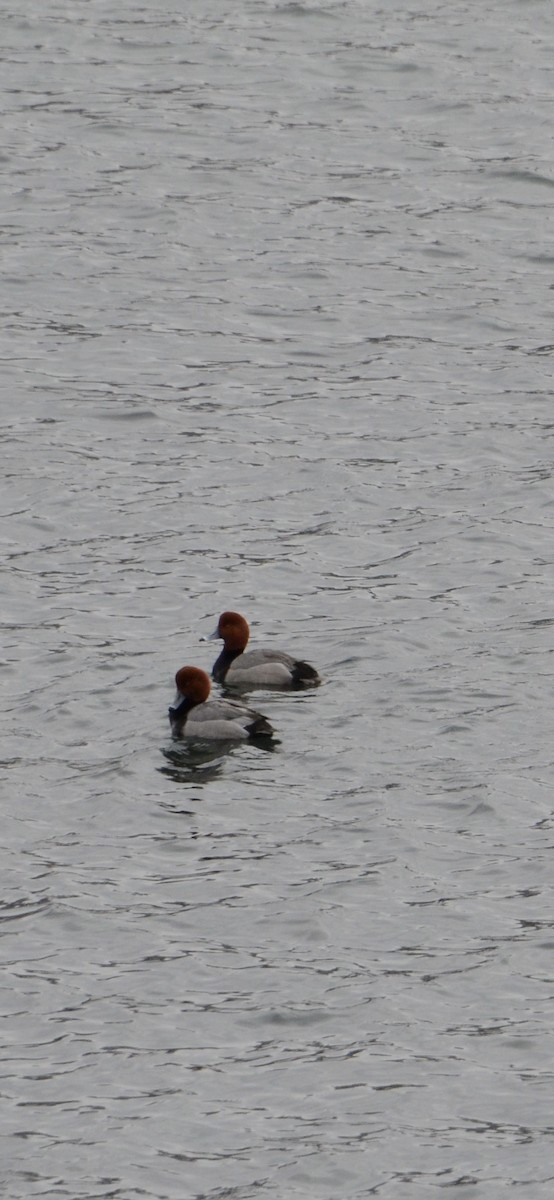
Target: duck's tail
<point>260,726</point>
<point>304,675</point>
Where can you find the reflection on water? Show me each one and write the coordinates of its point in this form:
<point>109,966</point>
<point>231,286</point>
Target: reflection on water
<point>202,761</point>
<point>192,763</point>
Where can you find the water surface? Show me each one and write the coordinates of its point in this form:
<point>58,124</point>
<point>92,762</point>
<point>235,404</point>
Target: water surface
<point>278,337</point>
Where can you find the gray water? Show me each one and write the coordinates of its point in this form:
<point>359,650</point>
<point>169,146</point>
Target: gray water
<point>278,336</point>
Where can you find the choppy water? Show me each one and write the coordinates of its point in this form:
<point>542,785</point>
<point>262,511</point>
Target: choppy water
<point>277,336</point>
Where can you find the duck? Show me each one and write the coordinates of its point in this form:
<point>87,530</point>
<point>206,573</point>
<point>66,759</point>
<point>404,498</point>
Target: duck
<point>195,716</point>
<point>257,668</point>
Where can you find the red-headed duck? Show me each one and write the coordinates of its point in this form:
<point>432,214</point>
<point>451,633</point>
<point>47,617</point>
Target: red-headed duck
<point>194,716</point>
<point>257,668</point>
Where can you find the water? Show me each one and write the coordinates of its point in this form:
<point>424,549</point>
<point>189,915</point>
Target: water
<point>277,336</point>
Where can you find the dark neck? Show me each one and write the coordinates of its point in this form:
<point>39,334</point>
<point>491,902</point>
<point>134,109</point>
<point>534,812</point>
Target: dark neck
<point>178,716</point>
<point>222,664</point>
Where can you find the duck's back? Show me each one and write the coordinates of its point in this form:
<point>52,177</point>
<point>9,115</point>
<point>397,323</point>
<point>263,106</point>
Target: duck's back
<point>270,668</point>
<point>226,720</point>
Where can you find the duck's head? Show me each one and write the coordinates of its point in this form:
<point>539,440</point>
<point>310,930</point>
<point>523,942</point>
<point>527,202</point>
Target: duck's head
<point>193,687</point>
<point>233,630</point>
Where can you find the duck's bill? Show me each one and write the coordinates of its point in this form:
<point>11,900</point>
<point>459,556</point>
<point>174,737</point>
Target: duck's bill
<point>210,637</point>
